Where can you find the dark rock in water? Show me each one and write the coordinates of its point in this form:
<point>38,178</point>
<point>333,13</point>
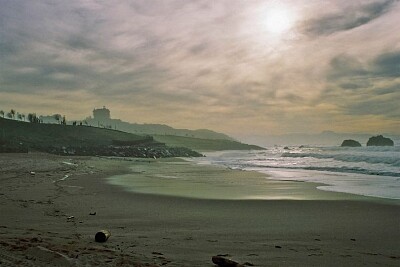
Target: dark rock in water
<point>380,141</point>
<point>351,143</point>
<point>286,148</point>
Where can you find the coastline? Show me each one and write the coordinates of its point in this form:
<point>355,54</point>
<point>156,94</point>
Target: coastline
<point>179,177</point>
<point>340,230</point>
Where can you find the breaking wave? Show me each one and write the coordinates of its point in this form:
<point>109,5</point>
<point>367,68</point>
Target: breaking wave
<point>371,171</point>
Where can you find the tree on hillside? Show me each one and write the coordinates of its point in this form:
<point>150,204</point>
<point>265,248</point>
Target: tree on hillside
<point>64,122</point>
<point>2,113</point>
<point>13,113</point>
<point>9,115</point>
<point>19,116</point>
<point>32,117</point>
<point>57,117</point>
<point>23,117</point>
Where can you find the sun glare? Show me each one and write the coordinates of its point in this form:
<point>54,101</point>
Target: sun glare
<point>278,19</point>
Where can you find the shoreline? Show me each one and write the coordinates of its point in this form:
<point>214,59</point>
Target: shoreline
<point>278,188</point>
<point>173,231</point>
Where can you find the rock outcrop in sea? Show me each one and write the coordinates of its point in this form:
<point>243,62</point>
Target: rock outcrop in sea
<point>351,143</point>
<point>380,141</point>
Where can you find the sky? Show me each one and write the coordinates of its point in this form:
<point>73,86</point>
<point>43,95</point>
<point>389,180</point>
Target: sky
<point>241,67</point>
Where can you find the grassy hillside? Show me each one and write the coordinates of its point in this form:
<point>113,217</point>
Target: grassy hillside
<point>37,135</point>
<point>203,144</point>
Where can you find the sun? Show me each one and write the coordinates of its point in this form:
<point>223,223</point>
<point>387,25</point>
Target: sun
<point>278,19</point>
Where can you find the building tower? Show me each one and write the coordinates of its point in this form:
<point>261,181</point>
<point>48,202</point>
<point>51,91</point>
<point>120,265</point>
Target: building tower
<point>101,114</point>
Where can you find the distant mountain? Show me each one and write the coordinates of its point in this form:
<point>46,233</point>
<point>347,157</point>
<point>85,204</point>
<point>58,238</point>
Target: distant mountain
<point>200,140</point>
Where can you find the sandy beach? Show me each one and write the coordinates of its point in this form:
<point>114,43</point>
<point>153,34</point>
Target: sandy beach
<point>52,206</point>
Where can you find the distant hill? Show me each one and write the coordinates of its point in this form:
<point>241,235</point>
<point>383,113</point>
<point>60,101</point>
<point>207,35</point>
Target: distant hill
<point>157,129</point>
<point>199,140</point>
<point>203,145</point>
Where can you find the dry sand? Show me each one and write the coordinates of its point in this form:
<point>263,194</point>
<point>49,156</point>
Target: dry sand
<point>50,217</point>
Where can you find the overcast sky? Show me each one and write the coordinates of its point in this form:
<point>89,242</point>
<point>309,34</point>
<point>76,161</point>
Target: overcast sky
<point>236,66</point>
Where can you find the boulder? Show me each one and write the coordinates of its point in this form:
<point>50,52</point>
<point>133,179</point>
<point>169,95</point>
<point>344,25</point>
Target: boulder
<point>224,262</point>
<point>351,143</point>
<point>380,141</point>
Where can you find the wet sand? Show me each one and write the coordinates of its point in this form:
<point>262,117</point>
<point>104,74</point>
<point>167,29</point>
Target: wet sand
<point>50,217</point>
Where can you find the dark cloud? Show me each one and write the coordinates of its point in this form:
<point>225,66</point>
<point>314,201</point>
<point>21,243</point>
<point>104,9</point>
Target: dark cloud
<point>346,66</point>
<point>79,42</point>
<point>387,65</point>
<point>387,107</point>
<point>198,49</point>
<point>365,89</point>
<point>348,19</point>
<point>354,85</point>
<point>393,89</point>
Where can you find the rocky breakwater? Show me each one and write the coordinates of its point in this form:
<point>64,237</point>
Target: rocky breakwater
<point>136,151</point>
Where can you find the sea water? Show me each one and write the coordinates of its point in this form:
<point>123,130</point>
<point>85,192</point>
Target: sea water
<point>368,171</point>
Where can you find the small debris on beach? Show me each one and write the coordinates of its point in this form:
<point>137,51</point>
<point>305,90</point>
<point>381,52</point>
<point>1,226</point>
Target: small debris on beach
<point>32,173</point>
<point>65,177</point>
<point>69,163</point>
<point>224,262</point>
<point>278,247</point>
<point>102,236</point>
<point>92,213</point>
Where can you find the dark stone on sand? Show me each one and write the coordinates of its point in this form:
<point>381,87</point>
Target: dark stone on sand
<point>380,141</point>
<point>351,143</point>
<point>224,262</point>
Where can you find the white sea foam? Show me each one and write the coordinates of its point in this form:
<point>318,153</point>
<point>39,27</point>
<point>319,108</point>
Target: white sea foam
<point>369,171</point>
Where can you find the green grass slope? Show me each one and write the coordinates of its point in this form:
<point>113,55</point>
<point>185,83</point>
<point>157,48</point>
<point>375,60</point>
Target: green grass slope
<point>204,145</point>
<point>39,135</point>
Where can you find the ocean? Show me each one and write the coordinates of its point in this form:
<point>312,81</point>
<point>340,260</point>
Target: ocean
<point>367,171</point>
